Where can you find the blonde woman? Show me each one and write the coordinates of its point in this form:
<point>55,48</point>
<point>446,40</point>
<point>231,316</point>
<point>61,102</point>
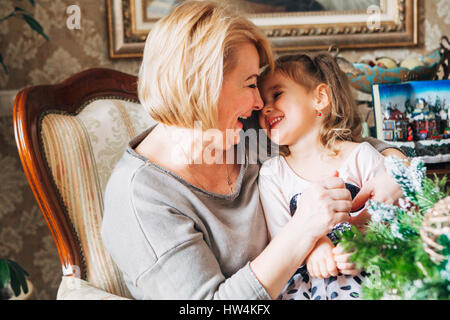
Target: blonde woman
<point>180,226</point>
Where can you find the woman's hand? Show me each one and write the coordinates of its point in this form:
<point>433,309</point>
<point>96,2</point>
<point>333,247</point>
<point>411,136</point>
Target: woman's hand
<point>381,188</point>
<point>361,220</point>
<point>343,263</point>
<point>324,205</point>
<point>320,263</point>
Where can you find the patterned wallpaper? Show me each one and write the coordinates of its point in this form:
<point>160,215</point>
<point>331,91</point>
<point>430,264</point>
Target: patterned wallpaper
<point>24,236</point>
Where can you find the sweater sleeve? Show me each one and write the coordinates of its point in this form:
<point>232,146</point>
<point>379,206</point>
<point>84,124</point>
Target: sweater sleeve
<point>379,145</point>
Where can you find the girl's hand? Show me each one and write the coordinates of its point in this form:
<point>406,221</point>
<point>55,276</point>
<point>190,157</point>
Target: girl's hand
<point>323,205</point>
<point>361,220</point>
<point>343,263</point>
<point>320,263</point>
<point>381,188</point>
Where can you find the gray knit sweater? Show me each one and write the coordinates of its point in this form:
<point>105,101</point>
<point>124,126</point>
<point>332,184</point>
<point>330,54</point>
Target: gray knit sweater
<point>172,240</point>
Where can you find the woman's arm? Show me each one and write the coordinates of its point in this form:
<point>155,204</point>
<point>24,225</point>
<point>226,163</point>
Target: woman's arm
<point>393,152</point>
<point>323,206</point>
<point>165,254</point>
<point>384,148</point>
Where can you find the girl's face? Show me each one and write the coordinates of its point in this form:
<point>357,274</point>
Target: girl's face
<point>288,108</point>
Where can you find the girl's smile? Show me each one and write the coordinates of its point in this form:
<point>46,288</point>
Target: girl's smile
<point>272,122</point>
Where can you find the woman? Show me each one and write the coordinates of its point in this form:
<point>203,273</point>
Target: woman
<point>195,229</point>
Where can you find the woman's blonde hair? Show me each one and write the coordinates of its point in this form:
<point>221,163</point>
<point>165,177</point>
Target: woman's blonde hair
<point>309,70</point>
<point>186,56</point>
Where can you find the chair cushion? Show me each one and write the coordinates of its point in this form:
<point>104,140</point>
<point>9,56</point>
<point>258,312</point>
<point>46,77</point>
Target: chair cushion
<point>72,288</point>
<point>81,151</point>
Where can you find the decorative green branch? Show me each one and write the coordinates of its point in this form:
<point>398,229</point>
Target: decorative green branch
<point>392,249</point>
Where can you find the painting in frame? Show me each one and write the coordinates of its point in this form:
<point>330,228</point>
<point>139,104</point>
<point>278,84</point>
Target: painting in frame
<point>291,25</point>
<point>415,116</point>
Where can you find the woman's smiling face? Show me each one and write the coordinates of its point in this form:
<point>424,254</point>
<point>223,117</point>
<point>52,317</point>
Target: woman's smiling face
<point>288,108</point>
<point>239,95</point>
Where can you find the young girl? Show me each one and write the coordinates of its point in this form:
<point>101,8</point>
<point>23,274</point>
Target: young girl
<point>308,101</point>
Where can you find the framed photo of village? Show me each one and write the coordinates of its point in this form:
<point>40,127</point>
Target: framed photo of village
<point>415,116</point>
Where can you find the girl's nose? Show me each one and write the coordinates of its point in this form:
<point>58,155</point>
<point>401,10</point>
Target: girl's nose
<point>267,110</point>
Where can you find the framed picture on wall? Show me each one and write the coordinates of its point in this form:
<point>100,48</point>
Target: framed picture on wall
<point>289,24</point>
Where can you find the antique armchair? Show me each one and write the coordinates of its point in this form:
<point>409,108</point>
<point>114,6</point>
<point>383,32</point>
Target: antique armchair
<point>69,137</point>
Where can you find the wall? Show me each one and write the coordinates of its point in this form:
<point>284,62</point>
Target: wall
<point>31,60</point>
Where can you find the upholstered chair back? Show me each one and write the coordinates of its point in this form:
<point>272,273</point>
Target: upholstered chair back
<point>81,151</point>
<point>76,151</point>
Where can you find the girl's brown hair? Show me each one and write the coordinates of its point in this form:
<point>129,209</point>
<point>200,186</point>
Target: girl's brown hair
<point>309,70</point>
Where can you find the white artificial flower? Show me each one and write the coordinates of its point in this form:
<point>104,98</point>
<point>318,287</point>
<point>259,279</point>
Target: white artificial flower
<point>395,229</point>
<point>381,211</point>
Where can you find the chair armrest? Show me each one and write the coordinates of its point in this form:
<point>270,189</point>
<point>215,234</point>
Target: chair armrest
<point>73,288</point>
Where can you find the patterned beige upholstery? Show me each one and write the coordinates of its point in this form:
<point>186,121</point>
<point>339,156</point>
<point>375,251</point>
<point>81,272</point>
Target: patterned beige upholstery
<point>81,151</point>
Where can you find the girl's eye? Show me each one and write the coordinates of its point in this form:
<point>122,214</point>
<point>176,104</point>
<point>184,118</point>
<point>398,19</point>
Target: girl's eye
<point>277,94</point>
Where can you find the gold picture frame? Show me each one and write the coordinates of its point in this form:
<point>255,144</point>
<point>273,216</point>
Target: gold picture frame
<point>129,24</point>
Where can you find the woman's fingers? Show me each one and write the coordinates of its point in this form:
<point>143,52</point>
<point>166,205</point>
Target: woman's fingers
<point>342,206</point>
<point>340,217</point>
<point>340,194</point>
<point>333,183</point>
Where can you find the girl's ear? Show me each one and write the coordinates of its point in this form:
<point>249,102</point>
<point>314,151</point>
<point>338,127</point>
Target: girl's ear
<point>322,98</point>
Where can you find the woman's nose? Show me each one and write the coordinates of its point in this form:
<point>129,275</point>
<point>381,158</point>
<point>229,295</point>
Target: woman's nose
<point>259,104</point>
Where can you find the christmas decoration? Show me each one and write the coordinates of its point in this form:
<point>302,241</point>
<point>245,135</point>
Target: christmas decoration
<point>405,248</point>
<point>436,223</point>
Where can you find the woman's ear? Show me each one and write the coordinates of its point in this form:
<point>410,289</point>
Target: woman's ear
<point>322,98</point>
